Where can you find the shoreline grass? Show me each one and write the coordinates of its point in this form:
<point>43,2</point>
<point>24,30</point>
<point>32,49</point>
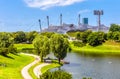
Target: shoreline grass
<point>48,67</point>
<point>13,65</point>
<point>108,48</point>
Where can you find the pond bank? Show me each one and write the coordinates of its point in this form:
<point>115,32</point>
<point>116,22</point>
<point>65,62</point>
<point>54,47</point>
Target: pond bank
<point>105,49</point>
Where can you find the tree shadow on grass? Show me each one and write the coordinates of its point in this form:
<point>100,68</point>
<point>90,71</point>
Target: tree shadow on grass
<point>16,54</point>
<point>8,56</point>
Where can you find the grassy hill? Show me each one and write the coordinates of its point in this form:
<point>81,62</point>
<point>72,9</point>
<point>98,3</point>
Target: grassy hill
<point>10,67</point>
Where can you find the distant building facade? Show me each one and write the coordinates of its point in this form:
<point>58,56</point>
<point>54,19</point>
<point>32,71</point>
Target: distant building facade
<point>68,27</point>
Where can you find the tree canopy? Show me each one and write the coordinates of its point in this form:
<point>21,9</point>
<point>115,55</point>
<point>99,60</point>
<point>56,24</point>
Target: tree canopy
<point>96,38</point>
<point>42,46</point>
<point>5,42</point>
<point>59,46</point>
<point>30,36</point>
<point>114,27</point>
<point>59,74</point>
<point>19,37</point>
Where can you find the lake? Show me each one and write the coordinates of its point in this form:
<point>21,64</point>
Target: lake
<point>96,67</point>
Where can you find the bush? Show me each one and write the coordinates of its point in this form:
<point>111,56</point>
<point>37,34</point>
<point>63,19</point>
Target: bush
<point>78,43</point>
<point>86,78</point>
<point>96,38</point>
<point>59,74</point>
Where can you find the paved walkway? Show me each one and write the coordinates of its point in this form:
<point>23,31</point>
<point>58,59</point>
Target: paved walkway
<point>24,71</point>
<point>37,69</point>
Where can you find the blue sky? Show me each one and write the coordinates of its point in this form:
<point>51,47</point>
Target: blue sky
<point>23,15</point>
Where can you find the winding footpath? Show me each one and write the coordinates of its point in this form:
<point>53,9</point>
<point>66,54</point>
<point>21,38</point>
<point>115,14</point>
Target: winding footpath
<point>24,71</point>
<point>36,70</point>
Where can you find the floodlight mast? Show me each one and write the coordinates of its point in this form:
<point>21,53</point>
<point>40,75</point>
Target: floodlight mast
<point>98,13</point>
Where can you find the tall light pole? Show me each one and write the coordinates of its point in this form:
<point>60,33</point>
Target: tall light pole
<point>98,13</point>
<point>40,25</point>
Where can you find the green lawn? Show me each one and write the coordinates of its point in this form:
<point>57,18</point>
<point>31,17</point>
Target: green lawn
<point>13,65</point>
<point>45,68</point>
<point>109,48</point>
<point>22,46</point>
<point>26,48</point>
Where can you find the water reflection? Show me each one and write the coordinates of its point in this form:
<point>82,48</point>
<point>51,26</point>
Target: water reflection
<point>97,67</point>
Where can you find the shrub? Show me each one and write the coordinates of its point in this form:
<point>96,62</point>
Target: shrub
<point>96,38</point>
<point>86,78</point>
<point>59,74</point>
<point>78,43</point>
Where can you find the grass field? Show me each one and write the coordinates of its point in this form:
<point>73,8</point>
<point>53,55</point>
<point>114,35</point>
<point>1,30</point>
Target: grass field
<point>45,68</point>
<point>109,48</point>
<point>26,48</point>
<point>10,67</point>
<point>23,46</point>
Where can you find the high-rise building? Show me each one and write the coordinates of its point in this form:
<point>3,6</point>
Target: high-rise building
<point>85,21</point>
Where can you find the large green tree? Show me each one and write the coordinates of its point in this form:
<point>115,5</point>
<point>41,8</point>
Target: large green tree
<point>84,35</point>
<point>110,35</point>
<point>42,46</point>
<point>96,38</point>
<point>5,42</point>
<point>19,37</point>
<point>116,36</point>
<point>114,27</point>
<point>48,34</point>
<point>30,36</point>
<point>59,46</point>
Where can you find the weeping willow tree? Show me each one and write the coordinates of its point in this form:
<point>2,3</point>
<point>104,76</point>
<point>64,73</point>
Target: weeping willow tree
<point>42,46</point>
<point>59,46</point>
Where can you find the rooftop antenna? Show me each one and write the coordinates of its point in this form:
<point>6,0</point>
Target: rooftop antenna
<point>79,20</point>
<point>98,13</point>
<point>61,19</point>
<point>48,21</point>
<point>40,25</point>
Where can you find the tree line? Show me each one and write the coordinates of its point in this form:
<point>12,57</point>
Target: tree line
<point>44,43</point>
<point>7,40</point>
<point>55,43</point>
<point>97,38</point>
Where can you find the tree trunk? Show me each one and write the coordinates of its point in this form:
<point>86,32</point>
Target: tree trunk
<point>41,58</point>
<point>38,53</point>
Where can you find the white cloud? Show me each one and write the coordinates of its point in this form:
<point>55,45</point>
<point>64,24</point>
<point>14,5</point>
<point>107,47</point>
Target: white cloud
<point>45,4</point>
<point>84,11</point>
